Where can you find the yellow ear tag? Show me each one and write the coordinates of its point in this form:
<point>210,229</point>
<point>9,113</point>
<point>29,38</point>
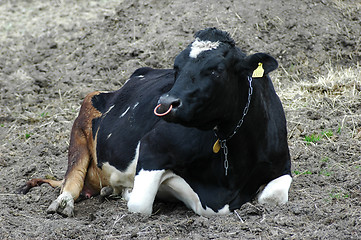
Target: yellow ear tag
<point>258,73</point>
<point>216,146</point>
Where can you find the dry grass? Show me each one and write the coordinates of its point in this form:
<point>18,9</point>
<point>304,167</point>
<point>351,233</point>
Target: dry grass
<point>348,8</point>
<point>338,88</point>
<point>330,102</point>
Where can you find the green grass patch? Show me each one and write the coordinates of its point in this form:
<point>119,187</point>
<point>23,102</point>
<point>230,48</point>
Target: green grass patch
<point>28,135</point>
<point>44,114</point>
<point>314,138</point>
<point>327,133</point>
<point>307,172</point>
<point>339,196</point>
<point>325,173</point>
<point>325,159</point>
<point>339,130</point>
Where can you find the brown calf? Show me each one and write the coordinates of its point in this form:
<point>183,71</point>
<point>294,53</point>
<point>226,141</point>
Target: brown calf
<point>82,177</point>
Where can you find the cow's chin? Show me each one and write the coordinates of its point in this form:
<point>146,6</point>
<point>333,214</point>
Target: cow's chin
<point>173,117</point>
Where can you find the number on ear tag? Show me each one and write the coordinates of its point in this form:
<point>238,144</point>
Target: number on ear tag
<point>216,146</point>
<point>258,73</point>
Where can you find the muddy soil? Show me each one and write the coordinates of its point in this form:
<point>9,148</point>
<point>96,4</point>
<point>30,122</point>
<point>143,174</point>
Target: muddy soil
<point>52,53</point>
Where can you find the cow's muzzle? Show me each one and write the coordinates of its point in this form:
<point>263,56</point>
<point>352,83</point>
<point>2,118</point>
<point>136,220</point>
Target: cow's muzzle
<point>167,105</point>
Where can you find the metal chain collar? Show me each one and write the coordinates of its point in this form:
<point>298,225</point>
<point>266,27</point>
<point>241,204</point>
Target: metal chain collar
<point>223,142</point>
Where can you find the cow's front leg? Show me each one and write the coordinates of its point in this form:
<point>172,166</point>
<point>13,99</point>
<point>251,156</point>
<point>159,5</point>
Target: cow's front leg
<point>146,185</point>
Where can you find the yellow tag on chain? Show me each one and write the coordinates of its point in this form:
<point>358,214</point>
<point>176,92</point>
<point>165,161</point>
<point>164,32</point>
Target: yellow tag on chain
<point>258,73</point>
<point>216,146</point>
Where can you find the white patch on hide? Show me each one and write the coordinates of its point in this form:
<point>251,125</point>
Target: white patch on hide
<point>109,110</point>
<point>119,180</point>
<point>135,105</point>
<point>199,46</point>
<point>125,112</point>
<point>276,191</point>
<point>109,135</point>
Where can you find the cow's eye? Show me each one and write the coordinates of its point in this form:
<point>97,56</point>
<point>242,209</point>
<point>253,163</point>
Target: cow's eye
<point>220,69</point>
<point>214,74</point>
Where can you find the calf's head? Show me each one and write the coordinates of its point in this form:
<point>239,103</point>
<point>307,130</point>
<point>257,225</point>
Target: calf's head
<point>211,81</point>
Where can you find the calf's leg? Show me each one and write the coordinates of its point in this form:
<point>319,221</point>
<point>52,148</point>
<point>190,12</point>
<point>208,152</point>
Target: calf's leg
<point>78,162</point>
<point>81,161</point>
<point>37,182</point>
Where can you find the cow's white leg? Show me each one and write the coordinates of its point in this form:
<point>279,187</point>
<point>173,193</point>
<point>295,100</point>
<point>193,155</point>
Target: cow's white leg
<point>146,185</point>
<point>180,189</point>
<point>276,191</point>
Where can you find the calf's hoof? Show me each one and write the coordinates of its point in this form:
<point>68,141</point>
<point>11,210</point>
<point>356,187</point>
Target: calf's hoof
<point>63,205</point>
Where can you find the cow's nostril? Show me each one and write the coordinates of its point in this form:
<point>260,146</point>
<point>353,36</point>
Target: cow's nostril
<point>166,104</point>
<point>176,103</point>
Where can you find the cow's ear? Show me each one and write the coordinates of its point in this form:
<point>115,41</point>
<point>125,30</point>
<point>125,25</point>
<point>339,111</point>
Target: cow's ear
<point>259,64</point>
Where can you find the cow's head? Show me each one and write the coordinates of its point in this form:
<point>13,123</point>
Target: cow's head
<point>211,83</point>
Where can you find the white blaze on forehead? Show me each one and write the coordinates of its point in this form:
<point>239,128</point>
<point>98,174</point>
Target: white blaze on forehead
<point>199,46</point>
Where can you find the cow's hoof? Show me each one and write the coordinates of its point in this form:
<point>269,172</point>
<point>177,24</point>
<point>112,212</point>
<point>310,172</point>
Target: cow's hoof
<point>126,194</point>
<point>276,191</point>
<point>63,205</point>
<point>106,191</point>
<point>140,207</point>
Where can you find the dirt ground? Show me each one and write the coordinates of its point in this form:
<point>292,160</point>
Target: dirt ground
<point>52,53</point>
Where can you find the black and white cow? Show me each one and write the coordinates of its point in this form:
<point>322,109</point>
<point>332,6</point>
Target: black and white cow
<point>211,132</point>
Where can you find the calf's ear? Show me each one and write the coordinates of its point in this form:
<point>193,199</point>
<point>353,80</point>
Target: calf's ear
<point>258,64</point>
